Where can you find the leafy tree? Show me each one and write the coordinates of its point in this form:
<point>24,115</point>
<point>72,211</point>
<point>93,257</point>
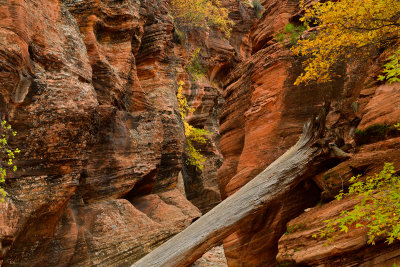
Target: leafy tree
<point>378,210</point>
<point>8,154</point>
<point>344,29</point>
<point>201,14</point>
<point>193,135</point>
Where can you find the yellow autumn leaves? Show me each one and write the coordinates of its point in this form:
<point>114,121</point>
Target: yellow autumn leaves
<point>6,132</point>
<point>193,135</point>
<point>201,14</point>
<point>344,28</point>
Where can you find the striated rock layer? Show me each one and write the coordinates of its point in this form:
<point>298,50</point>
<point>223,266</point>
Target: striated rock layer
<point>350,248</point>
<point>99,163</point>
<point>263,115</point>
<point>90,86</point>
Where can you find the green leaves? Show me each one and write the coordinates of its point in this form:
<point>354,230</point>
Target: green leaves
<point>290,34</point>
<point>378,208</point>
<point>391,69</point>
<point>195,67</point>
<point>289,28</point>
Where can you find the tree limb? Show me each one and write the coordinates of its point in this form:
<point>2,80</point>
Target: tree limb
<point>304,159</point>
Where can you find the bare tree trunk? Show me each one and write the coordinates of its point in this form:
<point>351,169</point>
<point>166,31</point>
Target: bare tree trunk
<point>301,161</point>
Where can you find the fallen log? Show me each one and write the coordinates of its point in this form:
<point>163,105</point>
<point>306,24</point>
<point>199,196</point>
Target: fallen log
<point>305,159</point>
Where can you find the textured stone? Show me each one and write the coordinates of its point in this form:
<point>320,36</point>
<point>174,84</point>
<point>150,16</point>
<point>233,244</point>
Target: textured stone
<point>348,249</point>
<point>263,115</point>
<point>383,108</point>
<point>259,196</point>
<point>367,161</point>
<point>90,87</point>
<point>299,247</point>
<point>88,132</point>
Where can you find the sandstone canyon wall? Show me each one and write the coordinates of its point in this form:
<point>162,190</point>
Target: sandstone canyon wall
<point>262,117</point>
<point>90,86</point>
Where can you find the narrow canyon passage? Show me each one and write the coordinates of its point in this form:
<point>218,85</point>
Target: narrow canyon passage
<point>112,165</point>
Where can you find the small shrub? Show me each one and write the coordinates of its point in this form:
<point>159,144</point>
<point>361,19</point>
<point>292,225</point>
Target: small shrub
<point>373,133</point>
<point>289,28</point>
<point>290,34</point>
<point>193,135</point>
<point>280,37</point>
<point>378,210</point>
<point>8,154</point>
<point>195,67</point>
<point>295,228</point>
<point>258,8</point>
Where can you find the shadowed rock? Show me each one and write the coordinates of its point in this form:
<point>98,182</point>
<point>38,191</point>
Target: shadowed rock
<point>304,159</point>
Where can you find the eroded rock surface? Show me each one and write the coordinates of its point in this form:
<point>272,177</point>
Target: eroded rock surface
<point>90,86</point>
<point>89,135</point>
<point>262,117</point>
<point>348,249</point>
<point>298,247</point>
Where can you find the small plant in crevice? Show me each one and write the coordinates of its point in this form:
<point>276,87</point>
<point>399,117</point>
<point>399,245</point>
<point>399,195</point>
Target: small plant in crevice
<point>373,133</point>
<point>8,154</point>
<point>295,228</point>
<point>179,36</point>
<point>378,209</point>
<point>193,135</point>
<point>195,66</point>
<point>290,34</point>
<point>258,8</point>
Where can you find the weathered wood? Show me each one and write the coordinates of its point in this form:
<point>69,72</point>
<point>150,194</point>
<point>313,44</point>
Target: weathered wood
<point>299,162</point>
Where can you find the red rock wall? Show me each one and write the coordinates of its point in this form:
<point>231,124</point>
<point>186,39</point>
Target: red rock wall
<point>376,105</point>
<point>90,86</point>
<point>96,179</point>
<point>262,117</point>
